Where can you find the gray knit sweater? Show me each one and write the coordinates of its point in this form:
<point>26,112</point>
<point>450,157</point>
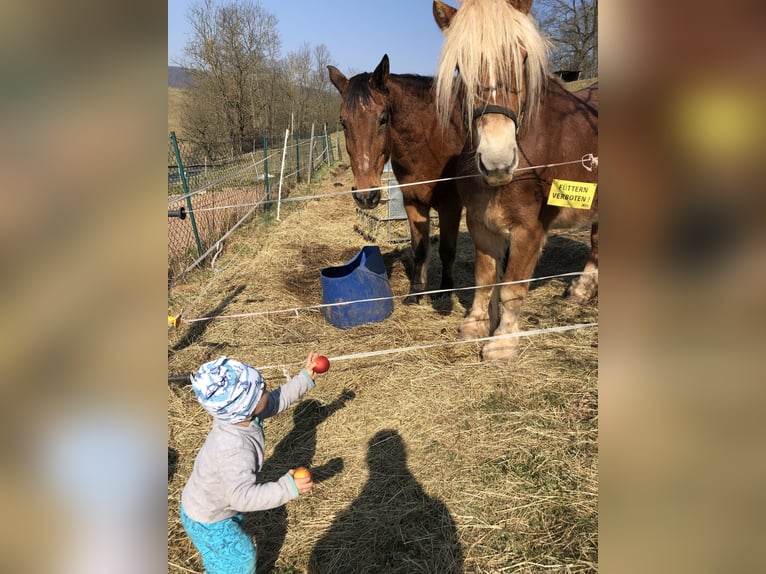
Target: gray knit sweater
<point>222,482</point>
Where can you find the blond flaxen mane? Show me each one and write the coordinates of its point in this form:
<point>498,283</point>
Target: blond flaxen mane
<point>490,35</point>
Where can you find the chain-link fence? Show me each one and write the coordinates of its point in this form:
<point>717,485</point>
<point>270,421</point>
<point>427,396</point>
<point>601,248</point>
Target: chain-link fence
<point>211,190</point>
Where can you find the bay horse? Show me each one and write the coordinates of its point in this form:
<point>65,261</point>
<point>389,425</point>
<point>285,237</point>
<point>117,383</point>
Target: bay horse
<point>520,120</point>
<point>392,116</point>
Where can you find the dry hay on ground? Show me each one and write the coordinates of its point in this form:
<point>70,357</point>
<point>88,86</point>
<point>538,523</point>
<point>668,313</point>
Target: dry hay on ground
<point>429,460</point>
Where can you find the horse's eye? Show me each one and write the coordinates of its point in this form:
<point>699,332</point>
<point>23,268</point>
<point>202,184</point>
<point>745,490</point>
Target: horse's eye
<point>343,125</point>
<point>383,120</point>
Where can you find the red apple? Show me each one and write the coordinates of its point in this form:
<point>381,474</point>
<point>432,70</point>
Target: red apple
<point>322,364</point>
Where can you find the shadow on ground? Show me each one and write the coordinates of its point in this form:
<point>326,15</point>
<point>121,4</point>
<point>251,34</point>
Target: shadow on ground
<point>393,526</point>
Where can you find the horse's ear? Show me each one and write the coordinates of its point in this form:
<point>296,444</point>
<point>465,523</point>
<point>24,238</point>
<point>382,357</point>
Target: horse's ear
<point>338,79</point>
<point>522,6</point>
<point>443,14</point>
<point>380,75</point>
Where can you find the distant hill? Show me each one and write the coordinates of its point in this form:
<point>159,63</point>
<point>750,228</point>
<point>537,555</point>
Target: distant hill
<point>179,77</point>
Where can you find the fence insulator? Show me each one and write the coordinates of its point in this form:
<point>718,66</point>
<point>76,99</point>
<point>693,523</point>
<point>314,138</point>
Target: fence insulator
<point>180,213</point>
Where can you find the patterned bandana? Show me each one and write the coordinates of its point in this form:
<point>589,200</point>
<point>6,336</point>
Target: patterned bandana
<point>228,390</point>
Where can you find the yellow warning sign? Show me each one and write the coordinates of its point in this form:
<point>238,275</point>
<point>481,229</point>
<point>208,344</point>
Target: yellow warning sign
<point>575,194</point>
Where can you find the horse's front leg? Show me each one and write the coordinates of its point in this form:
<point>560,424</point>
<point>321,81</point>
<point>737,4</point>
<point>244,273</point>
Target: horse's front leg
<point>526,245</point>
<point>476,324</point>
<point>420,229</point>
<point>585,287</point>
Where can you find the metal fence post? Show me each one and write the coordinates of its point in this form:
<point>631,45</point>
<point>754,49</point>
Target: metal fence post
<point>182,175</point>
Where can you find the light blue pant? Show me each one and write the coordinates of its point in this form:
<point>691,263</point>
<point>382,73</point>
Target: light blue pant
<point>224,546</point>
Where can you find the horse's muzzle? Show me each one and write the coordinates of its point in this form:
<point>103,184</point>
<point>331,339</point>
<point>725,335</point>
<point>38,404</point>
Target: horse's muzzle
<point>497,155</point>
<point>496,176</point>
<point>366,199</point>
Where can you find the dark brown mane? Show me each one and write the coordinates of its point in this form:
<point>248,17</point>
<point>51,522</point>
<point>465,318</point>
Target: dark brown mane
<point>358,90</point>
<point>414,82</point>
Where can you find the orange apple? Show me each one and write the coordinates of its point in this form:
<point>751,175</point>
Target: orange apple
<point>301,472</point>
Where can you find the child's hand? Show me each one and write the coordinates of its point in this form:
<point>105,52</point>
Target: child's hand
<point>311,363</point>
<point>303,484</point>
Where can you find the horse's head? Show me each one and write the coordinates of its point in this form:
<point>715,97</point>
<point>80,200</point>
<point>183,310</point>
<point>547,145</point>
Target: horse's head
<point>500,59</point>
<point>364,115</point>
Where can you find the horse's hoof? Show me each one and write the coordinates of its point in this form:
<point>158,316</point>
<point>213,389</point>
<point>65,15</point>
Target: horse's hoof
<point>472,329</point>
<point>411,299</point>
<point>440,296</point>
<point>502,350</point>
<point>445,289</point>
<point>582,290</point>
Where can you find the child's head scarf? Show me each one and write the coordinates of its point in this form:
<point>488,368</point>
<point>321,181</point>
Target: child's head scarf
<point>228,390</point>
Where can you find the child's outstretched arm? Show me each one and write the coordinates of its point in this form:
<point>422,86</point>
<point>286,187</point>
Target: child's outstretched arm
<point>283,396</point>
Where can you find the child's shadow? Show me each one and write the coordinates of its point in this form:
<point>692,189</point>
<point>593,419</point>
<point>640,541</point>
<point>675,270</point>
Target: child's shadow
<point>269,527</point>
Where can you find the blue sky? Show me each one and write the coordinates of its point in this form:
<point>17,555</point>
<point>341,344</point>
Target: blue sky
<point>356,32</point>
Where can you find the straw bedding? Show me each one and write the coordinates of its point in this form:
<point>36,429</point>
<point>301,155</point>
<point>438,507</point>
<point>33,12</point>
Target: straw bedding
<point>426,460</point>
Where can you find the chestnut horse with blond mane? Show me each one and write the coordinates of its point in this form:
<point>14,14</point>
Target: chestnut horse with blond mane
<point>525,130</point>
<point>393,116</point>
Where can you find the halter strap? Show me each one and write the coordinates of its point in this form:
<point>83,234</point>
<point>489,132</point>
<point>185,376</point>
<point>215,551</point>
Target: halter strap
<point>495,109</point>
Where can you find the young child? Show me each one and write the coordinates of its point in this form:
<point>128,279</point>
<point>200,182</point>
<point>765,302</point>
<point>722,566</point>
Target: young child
<point>222,484</point>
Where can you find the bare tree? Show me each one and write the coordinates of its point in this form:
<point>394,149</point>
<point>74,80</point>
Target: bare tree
<point>572,26</point>
<point>230,49</point>
<point>242,86</point>
<point>299,74</point>
<point>325,104</point>
<point>312,97</point>
<point>322,58</point>
<point>203,120</point>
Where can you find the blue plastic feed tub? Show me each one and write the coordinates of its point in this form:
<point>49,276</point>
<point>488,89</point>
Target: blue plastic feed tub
<point>363,277</point>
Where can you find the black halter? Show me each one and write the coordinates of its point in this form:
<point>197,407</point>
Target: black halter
<point>494,109</point>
